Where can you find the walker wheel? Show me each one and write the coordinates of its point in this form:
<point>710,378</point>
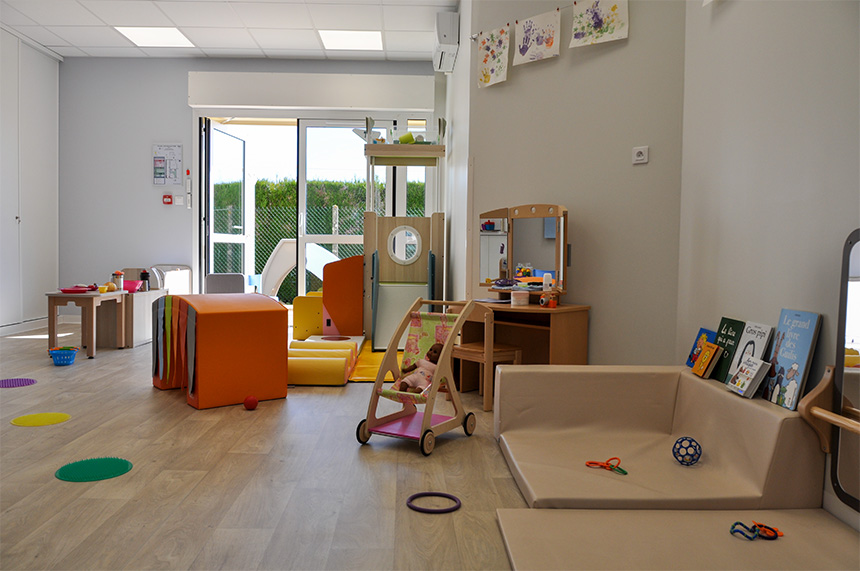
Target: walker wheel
<point>428,442</point>
<point>362,434</point>
<point>469,423</point>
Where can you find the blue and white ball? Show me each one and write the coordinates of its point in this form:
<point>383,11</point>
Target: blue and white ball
<point>687,451</point>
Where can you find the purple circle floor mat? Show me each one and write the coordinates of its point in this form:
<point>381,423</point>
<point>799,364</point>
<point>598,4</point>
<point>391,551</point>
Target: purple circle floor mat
<point>13,383</point>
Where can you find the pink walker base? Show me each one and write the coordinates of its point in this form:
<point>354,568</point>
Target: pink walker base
<point>408,426</point>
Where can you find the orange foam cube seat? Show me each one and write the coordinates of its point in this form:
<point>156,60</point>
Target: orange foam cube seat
<point>222,347</point>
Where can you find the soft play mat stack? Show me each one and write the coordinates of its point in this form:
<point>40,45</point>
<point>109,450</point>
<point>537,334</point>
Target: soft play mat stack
<point>322,362</point>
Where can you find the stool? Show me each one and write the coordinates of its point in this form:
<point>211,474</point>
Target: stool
<point>487,354</point>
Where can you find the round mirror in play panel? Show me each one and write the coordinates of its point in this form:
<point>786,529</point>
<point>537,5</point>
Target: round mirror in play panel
<point>404,245</point>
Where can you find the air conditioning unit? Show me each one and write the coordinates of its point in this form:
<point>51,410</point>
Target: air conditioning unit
<point>447,41</point>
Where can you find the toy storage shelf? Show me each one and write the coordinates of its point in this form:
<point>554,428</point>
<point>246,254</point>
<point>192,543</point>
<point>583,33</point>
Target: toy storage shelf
<point>404,155</point>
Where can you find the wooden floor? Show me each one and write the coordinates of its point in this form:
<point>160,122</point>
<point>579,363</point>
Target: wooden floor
<point>286,486</point>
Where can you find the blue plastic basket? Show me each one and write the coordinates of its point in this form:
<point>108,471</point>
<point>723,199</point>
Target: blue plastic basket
<point>63,355</point>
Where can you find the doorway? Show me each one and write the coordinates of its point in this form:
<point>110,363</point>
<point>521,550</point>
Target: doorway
<point>265,180</point>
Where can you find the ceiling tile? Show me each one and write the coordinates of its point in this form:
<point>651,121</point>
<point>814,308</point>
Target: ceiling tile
<point>220,38</point>
<point>67,51</point>
<point>234,52</point>
<point>172,52</point>
<point>295,54</point>
<point>41,35</point>
<point>346,17</point>
<point>268,15</point>
<point>12,17</point>
<point>410,18</point>
<point>55,12</point>
<point>270,39</point>
<point>90,36</point>
<point>410,42</point>
<point>127,13</point>
<point>201,14</point>
<point>114,52</point>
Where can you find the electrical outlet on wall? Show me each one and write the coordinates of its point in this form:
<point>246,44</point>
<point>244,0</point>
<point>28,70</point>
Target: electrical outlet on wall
<point>640,155</point>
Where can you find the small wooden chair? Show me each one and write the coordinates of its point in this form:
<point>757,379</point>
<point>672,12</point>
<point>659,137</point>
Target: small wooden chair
<point>486,353</point>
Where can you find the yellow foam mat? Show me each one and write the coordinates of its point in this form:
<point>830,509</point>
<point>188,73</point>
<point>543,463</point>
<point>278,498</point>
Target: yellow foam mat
<point>317,371</point>
<point>368,364</point>
<point>324,345</point>
<point>41,419</point>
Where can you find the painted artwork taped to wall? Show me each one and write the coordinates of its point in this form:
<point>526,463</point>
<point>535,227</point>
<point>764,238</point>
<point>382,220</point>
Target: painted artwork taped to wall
<point>493,56</point>
<point>537,37</point>
<point>598,21</point>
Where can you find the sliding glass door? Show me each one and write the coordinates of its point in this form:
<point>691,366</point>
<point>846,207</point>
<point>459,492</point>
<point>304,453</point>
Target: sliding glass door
<point>332,195</point>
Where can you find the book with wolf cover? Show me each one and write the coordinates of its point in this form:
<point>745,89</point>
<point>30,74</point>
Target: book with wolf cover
<point>707,360</point>
<point>728,335</point>
<point>748,376</point>
<point>793,345</point>
<point>753,343</point>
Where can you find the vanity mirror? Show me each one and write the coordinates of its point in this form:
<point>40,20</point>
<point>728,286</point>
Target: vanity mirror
<point>846,444</point>
<point>531,236</point>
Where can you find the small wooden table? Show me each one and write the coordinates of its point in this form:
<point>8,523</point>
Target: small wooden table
<point>88,302</point>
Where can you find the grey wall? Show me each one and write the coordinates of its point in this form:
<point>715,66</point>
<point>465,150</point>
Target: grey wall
<point>562,132</point>
<point>770,186</point>
<point>111,113</point>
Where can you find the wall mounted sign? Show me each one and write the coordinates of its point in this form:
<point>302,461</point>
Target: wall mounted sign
<point>166,164</point>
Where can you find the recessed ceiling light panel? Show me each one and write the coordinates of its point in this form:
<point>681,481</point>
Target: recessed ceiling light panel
<point>351,40</point>
<point>155,37</point>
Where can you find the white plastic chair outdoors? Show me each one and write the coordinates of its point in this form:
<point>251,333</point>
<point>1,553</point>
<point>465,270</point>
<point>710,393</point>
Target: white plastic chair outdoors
<point>225,283</point>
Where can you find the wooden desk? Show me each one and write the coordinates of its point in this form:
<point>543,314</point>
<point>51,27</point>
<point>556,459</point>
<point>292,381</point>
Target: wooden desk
<point>556,336</point>
<point>88,302</point>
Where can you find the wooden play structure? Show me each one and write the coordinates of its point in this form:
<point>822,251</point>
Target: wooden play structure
<point>404,258</point>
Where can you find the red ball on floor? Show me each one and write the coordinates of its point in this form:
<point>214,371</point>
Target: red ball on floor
<point>251,403</point>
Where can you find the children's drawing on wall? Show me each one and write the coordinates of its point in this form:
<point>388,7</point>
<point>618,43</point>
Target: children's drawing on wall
<point>597,21</point>
<point>537,37</point>
<point>493,56</point>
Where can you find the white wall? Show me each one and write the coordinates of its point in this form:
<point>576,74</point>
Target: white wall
<point>562,132</point>
<point>111,113</point>
<point>28,182</point>
<point>458,204</point>
<point>770,184</point>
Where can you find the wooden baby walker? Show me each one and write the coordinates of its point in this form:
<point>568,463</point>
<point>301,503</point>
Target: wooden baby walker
<point>425,330</point>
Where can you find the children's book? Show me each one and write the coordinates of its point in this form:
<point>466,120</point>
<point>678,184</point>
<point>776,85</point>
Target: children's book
<point>702,337</point>
<point>793,345</point>
<point>707,360</point>
<point>728,335</point>
<point>753,343</point>
<point>748,376</point>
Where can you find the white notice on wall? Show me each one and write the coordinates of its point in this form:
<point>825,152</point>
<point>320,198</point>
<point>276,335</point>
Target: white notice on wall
<point>166,164</point>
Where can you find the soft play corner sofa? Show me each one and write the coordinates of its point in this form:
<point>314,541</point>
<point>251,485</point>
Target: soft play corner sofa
<point>550,420</point>
<point>760,463</point>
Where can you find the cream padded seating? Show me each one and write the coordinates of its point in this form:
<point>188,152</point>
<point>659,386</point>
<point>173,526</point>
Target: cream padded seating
<point>551,419</point>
